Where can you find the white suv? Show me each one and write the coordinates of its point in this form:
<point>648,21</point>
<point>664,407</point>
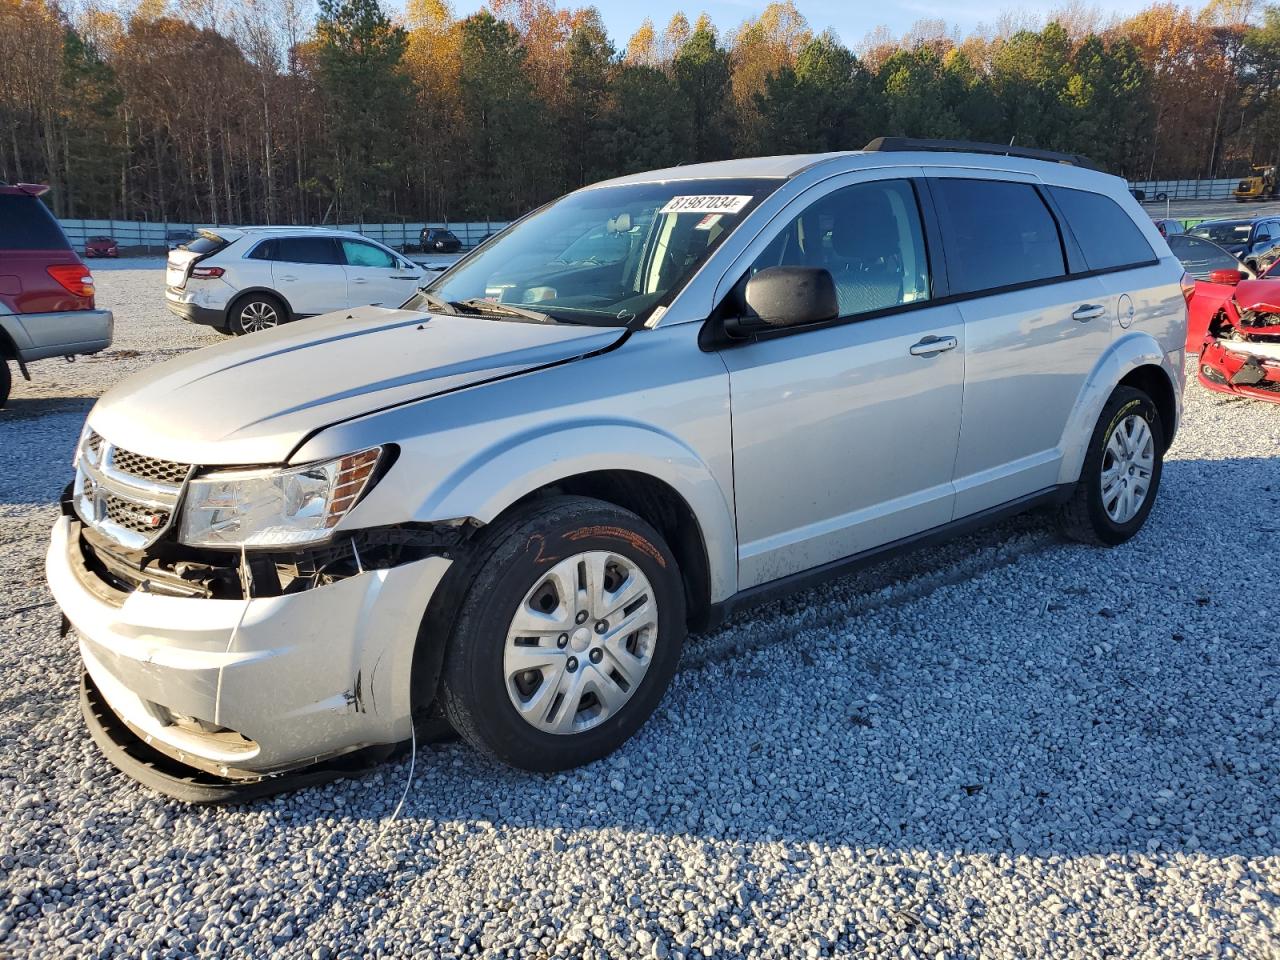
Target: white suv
<point>636,412</point>
<point>245,279</point>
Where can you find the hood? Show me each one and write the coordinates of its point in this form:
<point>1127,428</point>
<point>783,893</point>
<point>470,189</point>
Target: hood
<point>252,399</point>
<point>1261,296</point>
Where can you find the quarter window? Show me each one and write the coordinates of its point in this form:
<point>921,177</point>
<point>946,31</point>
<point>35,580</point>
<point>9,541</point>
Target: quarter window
<point>998,234</point>
<point>870,239</point>
<point>1108,238</point>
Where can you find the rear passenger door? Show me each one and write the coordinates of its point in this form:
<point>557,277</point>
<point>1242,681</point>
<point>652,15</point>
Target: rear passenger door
<point>308,272</point>
<point>377,276</point>
<point>1033,332</point>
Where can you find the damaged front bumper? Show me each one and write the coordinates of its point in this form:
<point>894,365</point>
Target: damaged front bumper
<point>248,689</point>
<point>1241,367</point>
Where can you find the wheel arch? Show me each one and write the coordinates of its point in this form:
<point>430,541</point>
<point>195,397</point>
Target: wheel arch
<point>240,297</point>
<point>1135,360</point>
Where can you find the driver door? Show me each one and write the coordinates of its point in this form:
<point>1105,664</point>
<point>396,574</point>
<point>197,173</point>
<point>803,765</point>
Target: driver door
<point>845,434</point>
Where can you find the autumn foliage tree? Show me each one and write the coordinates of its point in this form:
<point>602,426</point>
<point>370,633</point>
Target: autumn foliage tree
<point>270,110</point>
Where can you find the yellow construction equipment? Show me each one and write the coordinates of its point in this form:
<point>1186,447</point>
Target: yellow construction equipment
<point>1261,187</point>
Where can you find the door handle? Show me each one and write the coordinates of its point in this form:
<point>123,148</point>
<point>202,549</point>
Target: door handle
<point>359,280</point>
<point>288,276</point>
<point>1089,311</point>
<point>932,346</point>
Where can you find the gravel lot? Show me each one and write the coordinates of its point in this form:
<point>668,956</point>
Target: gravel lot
<point>1009,746</point>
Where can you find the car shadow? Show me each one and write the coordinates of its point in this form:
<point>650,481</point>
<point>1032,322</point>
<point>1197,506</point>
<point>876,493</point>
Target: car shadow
<point>1118,712</point>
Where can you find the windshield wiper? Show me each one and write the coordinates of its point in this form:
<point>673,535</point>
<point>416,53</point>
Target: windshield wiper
<point>481,305</point>
<point>435,302</point>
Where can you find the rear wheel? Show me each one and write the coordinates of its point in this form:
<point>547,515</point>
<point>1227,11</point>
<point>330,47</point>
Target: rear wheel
<point>567,637</point>
<point>1121,473</point>
<point>258,311</point>
<point>6,383</point>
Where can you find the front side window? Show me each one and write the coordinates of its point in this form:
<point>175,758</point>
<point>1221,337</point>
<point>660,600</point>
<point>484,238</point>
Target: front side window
<point>1108,238</point>
<point>307,250</point>
<point>604,255</point>
<point>998,234</point>
<point>1199,257</point>
<point>361,254</point>
<point>868,236</point>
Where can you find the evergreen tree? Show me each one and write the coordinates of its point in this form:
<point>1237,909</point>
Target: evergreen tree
<point>367,100</point>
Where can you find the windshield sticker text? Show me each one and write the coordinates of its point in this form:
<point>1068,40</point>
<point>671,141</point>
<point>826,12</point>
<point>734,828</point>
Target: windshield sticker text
<point>706,204</point>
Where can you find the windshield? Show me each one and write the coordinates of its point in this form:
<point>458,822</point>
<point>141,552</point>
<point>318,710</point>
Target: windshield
<point>606,255</point>
<point>1231,231</point>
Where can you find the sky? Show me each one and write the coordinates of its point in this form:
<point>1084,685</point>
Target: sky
<point>851,19</point>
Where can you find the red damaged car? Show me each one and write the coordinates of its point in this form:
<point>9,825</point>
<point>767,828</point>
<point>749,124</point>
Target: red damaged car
<point>1241,350</point>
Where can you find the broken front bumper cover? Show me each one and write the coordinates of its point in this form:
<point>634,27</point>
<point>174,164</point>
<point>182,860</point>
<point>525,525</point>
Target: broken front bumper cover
<point>1241,367</point>
<point>160,772</point>
<point>248,689</point>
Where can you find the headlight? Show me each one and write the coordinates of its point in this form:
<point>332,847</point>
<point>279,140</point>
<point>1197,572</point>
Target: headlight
<point>274,508</point>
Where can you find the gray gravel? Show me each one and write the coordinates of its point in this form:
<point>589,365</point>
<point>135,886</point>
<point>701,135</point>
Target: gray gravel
<point>1008,746</point>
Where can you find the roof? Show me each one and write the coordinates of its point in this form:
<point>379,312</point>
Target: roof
<point>768,168</point>
<point>902,154</point>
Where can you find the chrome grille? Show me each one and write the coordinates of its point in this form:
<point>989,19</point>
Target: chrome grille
<point>149,468</point>
<point>134,516</point>
<point>129,497</point>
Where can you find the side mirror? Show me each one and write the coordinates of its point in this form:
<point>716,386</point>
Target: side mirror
<point>781,297</point>
<point>1227,276</point>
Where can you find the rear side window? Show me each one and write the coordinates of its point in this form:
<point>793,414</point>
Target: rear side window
<point>27,224</point>
<point>307,250</point>
<point>1108,238</point>
<point>997,234</point>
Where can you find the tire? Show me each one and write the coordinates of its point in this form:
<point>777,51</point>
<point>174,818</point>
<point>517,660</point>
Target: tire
<point>1091,516</point>
<point>6,383</point>
<point>517,565</point>
<point>255,312</point>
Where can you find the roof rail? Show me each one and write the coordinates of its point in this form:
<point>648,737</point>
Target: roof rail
<point>905,144</point>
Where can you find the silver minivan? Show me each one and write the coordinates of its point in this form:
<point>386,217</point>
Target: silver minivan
<point>637,411</point>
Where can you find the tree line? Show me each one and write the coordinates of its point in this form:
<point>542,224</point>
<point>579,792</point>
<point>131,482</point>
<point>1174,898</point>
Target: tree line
<point>277,111</point>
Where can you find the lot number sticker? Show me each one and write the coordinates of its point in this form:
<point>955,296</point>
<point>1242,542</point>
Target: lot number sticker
<point>706,204</point>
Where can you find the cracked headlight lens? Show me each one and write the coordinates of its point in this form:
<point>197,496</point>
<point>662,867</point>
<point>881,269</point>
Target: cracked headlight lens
<point>274,508</point>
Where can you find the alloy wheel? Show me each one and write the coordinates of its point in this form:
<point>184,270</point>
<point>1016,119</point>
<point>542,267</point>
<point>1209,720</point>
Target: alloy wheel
<point>258,315</point>
<point>580,642</point>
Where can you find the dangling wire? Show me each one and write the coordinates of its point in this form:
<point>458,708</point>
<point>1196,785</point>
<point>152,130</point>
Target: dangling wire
<point>413,759</point>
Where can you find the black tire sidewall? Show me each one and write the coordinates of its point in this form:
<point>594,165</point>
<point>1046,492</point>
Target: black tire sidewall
<point>1123,403</point>
<point>473,686</point>
<point>238,307</point>
<point>6,382</point>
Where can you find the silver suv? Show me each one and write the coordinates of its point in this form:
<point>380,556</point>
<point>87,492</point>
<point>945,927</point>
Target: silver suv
<point>641,409</point>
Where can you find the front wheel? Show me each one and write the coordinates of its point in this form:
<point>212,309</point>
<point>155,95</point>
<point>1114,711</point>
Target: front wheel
<point>567,636</point>
<point>1121,473</point>
<point>6,383</point>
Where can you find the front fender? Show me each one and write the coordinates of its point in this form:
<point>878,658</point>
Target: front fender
<point>1126,354</point>
<point>494,477</point>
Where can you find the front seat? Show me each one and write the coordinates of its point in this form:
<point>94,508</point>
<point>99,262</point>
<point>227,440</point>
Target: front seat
<point>864,259</point>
